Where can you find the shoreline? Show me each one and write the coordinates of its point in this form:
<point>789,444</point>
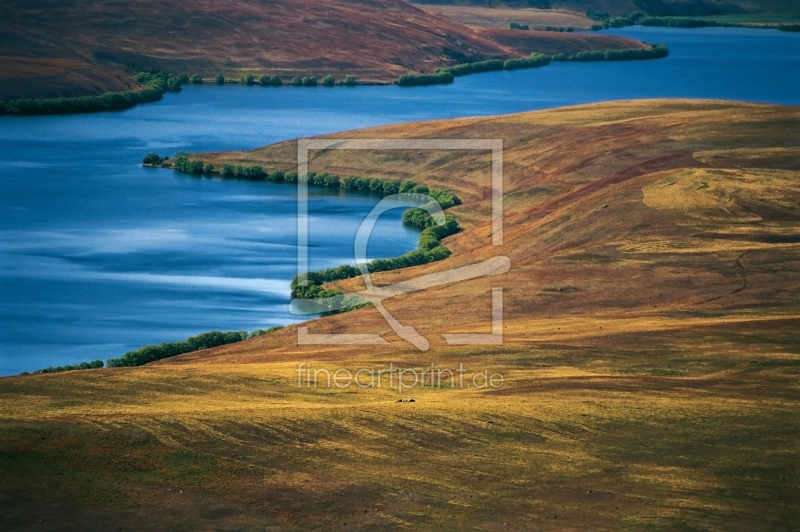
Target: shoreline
<point>309,285</point>
<point>119,101</point>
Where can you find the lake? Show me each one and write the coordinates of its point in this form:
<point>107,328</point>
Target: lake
<point>99,255</point>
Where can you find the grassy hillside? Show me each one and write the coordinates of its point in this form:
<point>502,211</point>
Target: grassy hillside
<point>651,7</point>
<point>650,359</point>
<point>574,16</point>
<point>500,17</point>
<point>50,48</point>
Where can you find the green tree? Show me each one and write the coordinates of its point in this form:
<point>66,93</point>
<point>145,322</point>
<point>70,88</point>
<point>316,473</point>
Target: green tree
<point>410,80</point>
<point>152,158</point>
<point>219,79</point>
<point>310,81</point>
<point>197,78</point>
<point>329,81</point>
<point>248,79</point>
<point>173,84</point>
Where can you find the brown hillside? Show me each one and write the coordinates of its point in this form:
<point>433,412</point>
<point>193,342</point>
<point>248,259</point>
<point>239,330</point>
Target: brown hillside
<point>551,43</point>
<point>500,18</point>
<point>650,359</point>
<point>594,227</point>
<point>53,48</point>
<point>650,7</point>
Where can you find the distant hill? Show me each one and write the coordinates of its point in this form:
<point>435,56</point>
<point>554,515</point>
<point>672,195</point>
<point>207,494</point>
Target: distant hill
<point>651,7</point>
<point>51,48</point>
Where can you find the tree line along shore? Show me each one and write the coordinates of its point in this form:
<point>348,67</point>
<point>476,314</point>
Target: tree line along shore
<point>155,84</point>
<point>309,285</point>
<point>430,249</point>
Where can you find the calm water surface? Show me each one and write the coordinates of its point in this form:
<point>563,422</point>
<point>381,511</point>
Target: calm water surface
<point>99,255</point>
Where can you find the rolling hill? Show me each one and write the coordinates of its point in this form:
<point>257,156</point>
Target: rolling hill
<point>665,8</point>
<point>650,356</point>
<point>51,48</point>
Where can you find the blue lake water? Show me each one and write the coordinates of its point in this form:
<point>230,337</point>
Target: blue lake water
<point>99,255</point>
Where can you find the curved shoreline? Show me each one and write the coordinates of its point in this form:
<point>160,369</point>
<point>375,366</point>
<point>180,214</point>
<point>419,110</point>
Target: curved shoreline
<point>430,249</point>
<point>119,101</point>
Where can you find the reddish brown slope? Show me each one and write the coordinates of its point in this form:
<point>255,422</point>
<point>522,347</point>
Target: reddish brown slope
<point>66,48</point>
<point>548,42</point>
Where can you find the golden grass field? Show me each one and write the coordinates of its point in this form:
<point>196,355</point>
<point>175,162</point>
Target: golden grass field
<point>651,357</point>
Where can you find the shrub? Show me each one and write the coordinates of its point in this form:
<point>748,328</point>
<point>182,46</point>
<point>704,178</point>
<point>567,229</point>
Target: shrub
<point>518,26</point>
<point>789,27</point>
<point>655,51</point>
<point>226,171</point>
<point>429,250</point>
<point>96,364</point>
<point>248,79</point>
<point>445,198</point>
<point>474,68</point>
<point>184,164</point>
<point>676,22</point>
<point>208,169</point>
<point>407,186</point>
<point>597,15</point>
<point>151,353</point>
<point>410,80</point>
<point>183,78</point>
<point>296,81</point>
<point>348,81</point>
<point>197,78</point>
<point>156,83</point>
<point>173,84</point>
<point>270,81</point>
<point>152,158</point>
<point>275,175</point>
<point>595,55</point>
<point>261,332</point>
<point>419,218</point>
<point>535,60</point>
<point>329,81</point>
<point>309,81</point>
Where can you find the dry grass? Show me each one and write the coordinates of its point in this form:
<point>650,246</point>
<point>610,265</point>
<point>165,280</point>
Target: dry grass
<point>101,43</point>
<point>651,358</point>
<point>486,17</point>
